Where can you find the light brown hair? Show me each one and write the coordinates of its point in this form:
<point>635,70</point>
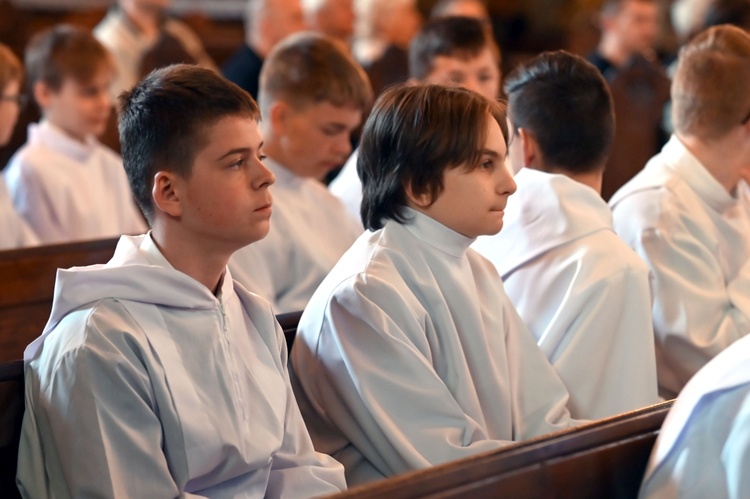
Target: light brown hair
<point>64,51</point>
<point>308,68</point>
<point>710,88</point>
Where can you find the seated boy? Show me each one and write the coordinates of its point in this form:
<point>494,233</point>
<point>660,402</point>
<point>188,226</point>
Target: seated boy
<point>63,181</point>
<point>157,375</point>
<point>686,213</point>
<point>452,51</point>
<point>14,232</point>
<point>410,354</point>
<point>312,96</point>
<point>583,293</point>
<point>702,449</point>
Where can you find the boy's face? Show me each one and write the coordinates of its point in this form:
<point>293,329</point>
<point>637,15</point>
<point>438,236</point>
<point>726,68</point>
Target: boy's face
<point>317,138</point>
<point>225,202</point>
<point>9,109</point>
<point>480,74</point>
<point>78,108</point>
<point>473,201</point>
<point>636,25</point>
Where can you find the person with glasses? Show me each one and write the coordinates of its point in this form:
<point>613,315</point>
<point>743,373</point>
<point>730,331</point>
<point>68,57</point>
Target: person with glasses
<point>687,214</point>
<point>14,232</point>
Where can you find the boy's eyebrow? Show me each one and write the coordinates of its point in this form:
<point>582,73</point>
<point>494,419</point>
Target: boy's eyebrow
<point>490,152</point>
<point>239,150</point>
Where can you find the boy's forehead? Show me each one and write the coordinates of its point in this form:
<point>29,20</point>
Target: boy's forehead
<point>461,59</point>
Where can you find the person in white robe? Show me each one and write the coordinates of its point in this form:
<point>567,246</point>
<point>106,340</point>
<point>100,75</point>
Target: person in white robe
<point>63,182</point>
<point>702,448</point>
<point>158,375</point>
<point>453,51</point>
<point>14,232</point>
<point>312,96</point>
<point>410,354</point>
<point>686,215</point>
<point>133,28</point>
<point>583,293</point>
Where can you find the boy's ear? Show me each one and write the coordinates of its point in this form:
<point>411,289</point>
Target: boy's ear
<point>277,115</point>
<point>530,147</point>
<point>42,94</point>
<point>165,193</point>
<point>417,200</point>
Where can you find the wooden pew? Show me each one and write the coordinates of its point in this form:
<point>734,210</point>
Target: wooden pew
<point>11,415</point>
<point>603,459</point>
<point>27,285</point>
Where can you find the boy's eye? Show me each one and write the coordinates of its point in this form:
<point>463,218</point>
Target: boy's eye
<point>262,157</point>
<point>487,164</point>
<point>485,77</point>
<point>238,164</point>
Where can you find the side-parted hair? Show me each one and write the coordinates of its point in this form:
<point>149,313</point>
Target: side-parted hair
<point>64,51</point>
<point>10,67</point>
<point>310,68</point>
<point>564,102</point>
<point>710,87</point>
<point>412,136</point>
<point>456,37</point>
<point>164,120</point>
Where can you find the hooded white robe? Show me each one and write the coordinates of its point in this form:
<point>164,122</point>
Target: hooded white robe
<point>695,237</point>
<point>583,293</point>
<point>145,384</point>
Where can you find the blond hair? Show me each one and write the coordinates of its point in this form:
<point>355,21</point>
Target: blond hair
<point>709,90</point>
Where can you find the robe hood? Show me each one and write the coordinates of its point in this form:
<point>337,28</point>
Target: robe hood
<point>538,218</point>
<point>130,275</point>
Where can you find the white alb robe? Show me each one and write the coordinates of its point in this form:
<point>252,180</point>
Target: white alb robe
<point>145,384</point>
<point>703,449</point>
<point>67,190</point>
<point>695,237</point>
<point>14,232</point>
<point>310,230</point>
<point>583,293</point>
<point>410,354</point>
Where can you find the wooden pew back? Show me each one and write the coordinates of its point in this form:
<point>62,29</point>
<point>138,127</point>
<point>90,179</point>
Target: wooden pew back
<point>606,458</point>
<point>27,282</point>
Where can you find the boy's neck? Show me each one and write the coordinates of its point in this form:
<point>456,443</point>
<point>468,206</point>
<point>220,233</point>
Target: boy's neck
<point>201,260</point>
<point>80,138</point>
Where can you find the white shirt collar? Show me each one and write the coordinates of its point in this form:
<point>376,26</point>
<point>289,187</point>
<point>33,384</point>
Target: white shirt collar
<point>435,234</point>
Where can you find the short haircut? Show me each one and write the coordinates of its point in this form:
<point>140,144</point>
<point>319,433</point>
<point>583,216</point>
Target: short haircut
<point>456,37</point>
<point>564,102</point>
<point>10,67</point>
<point>163,123</point>
<point>710,87</point>
<point>412,136</point>
<point>309,68</point>
<point>64,51</point>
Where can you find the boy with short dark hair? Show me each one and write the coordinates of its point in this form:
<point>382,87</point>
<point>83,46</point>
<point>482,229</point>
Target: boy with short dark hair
<point>410,354</point>
<point>157,375</point>
<point>583,293</point>
<point>66,184</point>
<point>451,51</point>
<point>312,97</point>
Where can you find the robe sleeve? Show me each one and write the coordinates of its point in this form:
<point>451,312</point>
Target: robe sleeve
<point>91,419</point>
<point>297,469</point>
<point>604,322</point>
<point>697,313</point>
<point>32,201</point>
<point>378,386</point>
